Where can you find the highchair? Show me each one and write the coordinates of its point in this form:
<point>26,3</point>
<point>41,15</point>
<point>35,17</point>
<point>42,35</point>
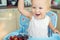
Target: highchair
<point>24,23</point>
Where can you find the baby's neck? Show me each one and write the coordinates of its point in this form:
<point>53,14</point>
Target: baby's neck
<point>43,17</point>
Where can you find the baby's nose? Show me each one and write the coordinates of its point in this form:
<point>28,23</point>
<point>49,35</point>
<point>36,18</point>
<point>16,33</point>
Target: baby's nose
<point>37,10</point>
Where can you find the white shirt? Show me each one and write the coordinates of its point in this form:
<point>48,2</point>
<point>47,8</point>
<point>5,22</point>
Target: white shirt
<point>39,28</point>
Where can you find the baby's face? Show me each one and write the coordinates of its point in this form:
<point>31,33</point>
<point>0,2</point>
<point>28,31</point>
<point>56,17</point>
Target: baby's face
<point>39,8</point>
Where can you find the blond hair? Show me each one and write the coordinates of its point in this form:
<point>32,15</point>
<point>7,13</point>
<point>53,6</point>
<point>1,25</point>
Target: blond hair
<point>48,2</point>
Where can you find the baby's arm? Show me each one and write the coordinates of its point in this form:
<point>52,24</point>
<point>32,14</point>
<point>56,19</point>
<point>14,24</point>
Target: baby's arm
<point>53,29</point>
<point>22,10</point>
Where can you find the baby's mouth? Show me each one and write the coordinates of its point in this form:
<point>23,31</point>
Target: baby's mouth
<point>37,14</point>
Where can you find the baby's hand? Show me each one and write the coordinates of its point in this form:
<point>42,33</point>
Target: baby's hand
<point>56,31</point>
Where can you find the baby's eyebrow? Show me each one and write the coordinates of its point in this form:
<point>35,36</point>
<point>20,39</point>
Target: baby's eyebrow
<point>40,7</point>
<point>33,6</point>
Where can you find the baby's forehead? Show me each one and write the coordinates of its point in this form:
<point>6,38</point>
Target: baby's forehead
<point>40,2</point>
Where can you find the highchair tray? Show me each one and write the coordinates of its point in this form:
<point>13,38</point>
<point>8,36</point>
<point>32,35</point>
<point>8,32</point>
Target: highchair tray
<point>53,37</point>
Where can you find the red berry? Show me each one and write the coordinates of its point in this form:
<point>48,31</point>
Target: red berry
<point>20,38</point>
<point>11,38</point>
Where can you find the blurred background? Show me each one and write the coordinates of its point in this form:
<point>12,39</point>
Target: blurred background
<point>9,15</point>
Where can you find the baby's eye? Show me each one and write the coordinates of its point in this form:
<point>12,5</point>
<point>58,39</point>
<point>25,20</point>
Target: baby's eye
<point>40,8</point>
<point>34,7</point>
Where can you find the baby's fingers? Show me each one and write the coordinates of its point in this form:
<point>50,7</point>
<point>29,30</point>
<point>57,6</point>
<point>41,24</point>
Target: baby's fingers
<point>58,32</point>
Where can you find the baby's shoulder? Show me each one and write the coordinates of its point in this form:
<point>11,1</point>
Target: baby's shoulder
<point>48,17</point>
